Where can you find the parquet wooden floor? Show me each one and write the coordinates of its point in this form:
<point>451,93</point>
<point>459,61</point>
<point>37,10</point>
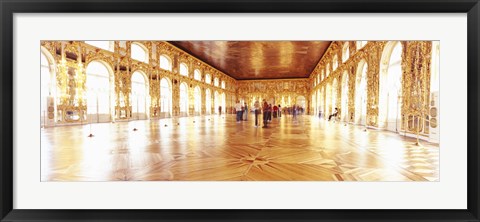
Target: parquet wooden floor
<point>217,148</point>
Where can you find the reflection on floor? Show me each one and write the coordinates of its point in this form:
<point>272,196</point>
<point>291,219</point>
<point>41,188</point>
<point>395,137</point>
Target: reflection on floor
<point>217,148</point>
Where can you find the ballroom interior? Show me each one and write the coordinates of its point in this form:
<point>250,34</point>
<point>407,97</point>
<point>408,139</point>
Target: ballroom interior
<point>165,111</point>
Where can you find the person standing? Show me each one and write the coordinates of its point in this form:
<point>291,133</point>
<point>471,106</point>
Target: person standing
<point>275,111</point>
<point>256,106</point>
<point>279,110</point>
<point>270,112</point>
<point>238,109</point>
<point>219,110</point>
<point>265,114</point>
<point>294,112</point>
<point>245,112</point>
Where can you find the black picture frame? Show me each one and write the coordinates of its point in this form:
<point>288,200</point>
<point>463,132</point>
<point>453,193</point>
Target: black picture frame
<point>10,7</point>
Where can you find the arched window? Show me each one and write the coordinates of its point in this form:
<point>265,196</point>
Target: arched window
<point>361,93</point>
<point>197,75</point>
<point>106,45</point>
<point>215,81</point>
<point>334,95</point>
<point>183,69</point>
<point>45,80</point>
<point>198,101</point>
<point>139,52</point>
<point>328,70</point>
<point>335,63</point>
<point>345,52</point>
<point>390,88</point>
<point>322,101</point>
<point>208,102</point>
<point>184,99</point>
<point>313,103</point>
<point>322,76</point>
<point>223,84</point>
<point>328,99</point>
<point>165,63</point>
<point>99,90</point>
<point>208,79</point>
<point>223,102</point>
<point>138,96</point>
<point>361,44</point>
<point>217,102</point>
<point>165,97</point>
<point>344,102</point>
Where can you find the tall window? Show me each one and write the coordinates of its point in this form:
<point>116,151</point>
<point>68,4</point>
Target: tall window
<point>165,63</point>
<point>184,98</point>
<point>45,86</point>
<point>198,100</point>
<point>139,52</point>
<point>223,102</point>
<point>322,76</point>
<point>183,69</point>
<point>217,102</point>
<point>335,63</point>
<point>215,81</point>
<point>165,96</point>
<point>390,86</point>
<point>334,95</point>
<point>197,75</point>
<point>345,52</point>
<point>208,79</point>
<point>106,45</point>
<point>98,92</point>
<point>361,93</point>
<point>328,99</point>
<point>328,70</point>
<point>344,102</point>
<point>223,84</point>
<point>208,101</point>
<point>361,44</point>
<point>138,96</point>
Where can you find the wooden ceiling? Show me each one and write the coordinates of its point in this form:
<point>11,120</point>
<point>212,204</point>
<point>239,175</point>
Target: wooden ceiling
<point>244,60</point>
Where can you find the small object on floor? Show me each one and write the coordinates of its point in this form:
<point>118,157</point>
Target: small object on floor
<point>165,125</point>
<point>90,135</point>
<point>135,129</point>
<point>178,123</point>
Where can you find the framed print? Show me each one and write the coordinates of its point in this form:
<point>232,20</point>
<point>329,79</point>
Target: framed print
<point>255,111</point>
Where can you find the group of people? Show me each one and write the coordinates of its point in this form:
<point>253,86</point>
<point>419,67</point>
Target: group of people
<point>242,111</point>
<point>267,109</point>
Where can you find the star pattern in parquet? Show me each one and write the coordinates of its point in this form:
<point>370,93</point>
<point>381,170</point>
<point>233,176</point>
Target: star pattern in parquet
<point>216,148</point>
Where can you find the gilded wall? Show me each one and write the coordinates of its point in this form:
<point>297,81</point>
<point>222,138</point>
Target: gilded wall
<point>415,80</point>
<point>71,58</point>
